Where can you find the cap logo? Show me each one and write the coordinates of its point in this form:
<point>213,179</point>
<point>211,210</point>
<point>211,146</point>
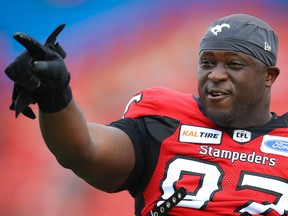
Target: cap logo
<point>218,28</point>
<point>267,46</point>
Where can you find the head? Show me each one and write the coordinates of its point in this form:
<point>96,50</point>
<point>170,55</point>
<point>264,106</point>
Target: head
<point>237,67</point>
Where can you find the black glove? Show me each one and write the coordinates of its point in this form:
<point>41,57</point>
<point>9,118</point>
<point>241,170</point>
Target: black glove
<point>40,76</point>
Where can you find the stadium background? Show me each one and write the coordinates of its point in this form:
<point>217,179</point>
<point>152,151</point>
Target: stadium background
<point>115,48</point>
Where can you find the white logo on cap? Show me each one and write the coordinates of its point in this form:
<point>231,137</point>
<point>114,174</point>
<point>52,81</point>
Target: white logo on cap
<point>267,46</point>
<point>218,28</point>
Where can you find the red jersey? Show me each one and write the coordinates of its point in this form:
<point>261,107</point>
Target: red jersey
<point>225,171</point>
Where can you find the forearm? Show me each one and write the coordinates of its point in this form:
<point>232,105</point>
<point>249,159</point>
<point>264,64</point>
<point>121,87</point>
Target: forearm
<point>66,134</point>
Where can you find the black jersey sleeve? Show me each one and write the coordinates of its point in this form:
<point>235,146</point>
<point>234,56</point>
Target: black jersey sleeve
<point>147,135</point>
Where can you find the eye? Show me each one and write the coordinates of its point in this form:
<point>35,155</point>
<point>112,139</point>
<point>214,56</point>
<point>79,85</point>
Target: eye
<point>206,63</point>
<point>235,65</point>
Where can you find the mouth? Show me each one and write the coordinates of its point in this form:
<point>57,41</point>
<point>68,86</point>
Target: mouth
<point>217,94</point>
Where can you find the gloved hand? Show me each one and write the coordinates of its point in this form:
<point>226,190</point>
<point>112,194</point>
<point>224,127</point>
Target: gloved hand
<point>40,76</point>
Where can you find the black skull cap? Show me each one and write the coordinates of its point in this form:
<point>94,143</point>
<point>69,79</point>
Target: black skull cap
<point>243,33</point>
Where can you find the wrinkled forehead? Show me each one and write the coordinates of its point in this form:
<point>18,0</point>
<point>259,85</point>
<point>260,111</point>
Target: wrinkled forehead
<point>242,33</point>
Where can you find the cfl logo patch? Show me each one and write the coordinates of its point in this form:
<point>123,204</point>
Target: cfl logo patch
<point>241,136</point>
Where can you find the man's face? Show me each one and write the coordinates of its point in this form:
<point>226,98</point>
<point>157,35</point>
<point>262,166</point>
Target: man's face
<point>232,87</point>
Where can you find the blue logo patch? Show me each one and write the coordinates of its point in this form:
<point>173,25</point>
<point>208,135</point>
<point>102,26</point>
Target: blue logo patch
<point>277,145</point>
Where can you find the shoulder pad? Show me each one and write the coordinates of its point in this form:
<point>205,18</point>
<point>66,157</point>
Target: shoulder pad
<point>162,102</point>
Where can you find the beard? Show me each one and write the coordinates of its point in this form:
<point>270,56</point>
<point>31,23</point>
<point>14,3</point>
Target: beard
<point>225,118</point>
<point>241,109</point>
<point>239,113</point>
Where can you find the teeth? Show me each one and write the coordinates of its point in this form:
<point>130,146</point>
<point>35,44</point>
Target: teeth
<point>216,94</point>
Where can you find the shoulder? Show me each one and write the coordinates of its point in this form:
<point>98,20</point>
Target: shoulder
<point>160,101</point>
<point>284,118</point>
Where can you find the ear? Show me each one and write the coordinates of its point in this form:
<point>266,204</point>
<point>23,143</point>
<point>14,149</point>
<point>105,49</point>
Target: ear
<point>272,74</point>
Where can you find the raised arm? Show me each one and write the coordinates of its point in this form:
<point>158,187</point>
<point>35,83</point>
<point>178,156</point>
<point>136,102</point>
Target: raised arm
<point>101,155</point>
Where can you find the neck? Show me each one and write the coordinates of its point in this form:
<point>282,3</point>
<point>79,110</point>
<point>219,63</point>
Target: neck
<point>246,122</point>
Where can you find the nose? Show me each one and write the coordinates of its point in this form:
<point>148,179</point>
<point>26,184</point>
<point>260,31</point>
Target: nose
<point>218,74</point>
